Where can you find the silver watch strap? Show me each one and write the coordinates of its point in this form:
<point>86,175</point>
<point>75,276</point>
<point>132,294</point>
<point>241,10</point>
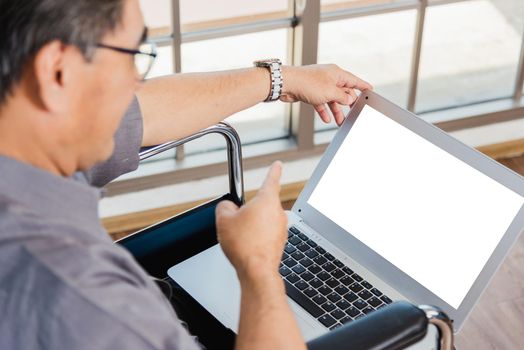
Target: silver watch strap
<point>277,82</point>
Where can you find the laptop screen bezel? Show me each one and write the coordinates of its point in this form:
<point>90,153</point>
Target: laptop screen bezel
<point>392,275</point>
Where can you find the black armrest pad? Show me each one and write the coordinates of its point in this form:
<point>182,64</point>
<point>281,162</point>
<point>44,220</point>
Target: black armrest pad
<point>395,326</point>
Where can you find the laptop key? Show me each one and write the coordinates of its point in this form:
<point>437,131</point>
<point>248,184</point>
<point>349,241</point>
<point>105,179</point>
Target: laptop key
<point>334,297</point>
<point>329,257</point>
<point>364,294</point>
<point>311,243</point>
<point>312,253</point>
<point>366,284</point>
<point>345,320</point>
<point>328,306</point>
<point>298,269</point>
<point>303,247</point>
<point>337,325</point>
<point>292,278</point>
<point>302,300</point>
<point>284,271</point>
<point>347,270</point>
<point>297,255</point>
<point>307,276</point>
<point>338,263</point>
<point>367,310</point>
<point>305,262</point>
<point>352,311</point>
<point>346,280</point>
<point>289,248</point>
<point>374,301</point>
<point>295,240</point>
<point>343,304</point>
<point>324,290</point>
<point>320,250</point>
<point>290,262</point>
<point>386,300</point>
<point>314,269</point>
<point>319,299</point>
<point>376,292</point>
<point>301,285</point>
<point>359,304</point>
<point>338,274</point>
<point>323,275</point>
<point>355,287</point>
<point>310,292</point>
<point>294,230</point>
<point>302,236</point>
<point>341,290</point>
<point>315,282</point>
<point>357,277</point>
<point>320,260</point>
<point>332,282</point>
<point>338,314</point>
<point>327,320</point>
<point>351,297</point>
<point>328,267</point>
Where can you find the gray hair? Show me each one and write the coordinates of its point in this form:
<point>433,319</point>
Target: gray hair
<point>28,25</point>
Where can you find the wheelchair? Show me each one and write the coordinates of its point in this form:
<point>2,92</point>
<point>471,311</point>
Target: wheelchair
<point>397,326</point>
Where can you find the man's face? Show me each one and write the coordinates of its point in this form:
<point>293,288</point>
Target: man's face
<point>104,89</point>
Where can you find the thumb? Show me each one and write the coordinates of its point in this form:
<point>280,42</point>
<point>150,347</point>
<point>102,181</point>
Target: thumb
<point>271,185</point>
<point>226,208</point>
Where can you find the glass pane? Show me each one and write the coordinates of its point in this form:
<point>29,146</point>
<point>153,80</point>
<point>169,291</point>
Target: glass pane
<point>164,62</point>
<point>263,121</point>
<point>201,14</point>
<point>470,53</point>
<point>157,16</point>
<point>333,5</point>
<point>376,48</point>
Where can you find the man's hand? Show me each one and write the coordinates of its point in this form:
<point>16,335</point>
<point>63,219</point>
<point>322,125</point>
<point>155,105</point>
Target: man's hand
<point>322,86</point>
<point>253,239</point>
<point>254,235</point>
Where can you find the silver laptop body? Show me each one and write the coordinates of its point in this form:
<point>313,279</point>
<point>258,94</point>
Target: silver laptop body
<point>412,211</point>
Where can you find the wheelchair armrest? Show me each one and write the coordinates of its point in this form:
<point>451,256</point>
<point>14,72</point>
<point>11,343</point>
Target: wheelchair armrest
<point>395,326</point>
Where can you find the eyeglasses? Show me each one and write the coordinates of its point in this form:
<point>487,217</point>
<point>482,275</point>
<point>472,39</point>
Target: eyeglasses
<point>144,57</point>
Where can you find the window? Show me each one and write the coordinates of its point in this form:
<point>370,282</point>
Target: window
<point>458,61</point>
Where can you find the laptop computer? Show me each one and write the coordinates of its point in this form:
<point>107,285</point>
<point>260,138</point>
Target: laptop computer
<point>395,210</point>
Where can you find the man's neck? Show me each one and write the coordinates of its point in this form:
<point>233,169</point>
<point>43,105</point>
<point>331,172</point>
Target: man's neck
<point>24,137</point>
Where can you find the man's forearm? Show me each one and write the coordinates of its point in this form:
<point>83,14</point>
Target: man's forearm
<point>266,320</point>
<point>179,105</point>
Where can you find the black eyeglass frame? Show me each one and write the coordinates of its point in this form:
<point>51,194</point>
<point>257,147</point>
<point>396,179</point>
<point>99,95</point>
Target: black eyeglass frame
<point>153,54</point>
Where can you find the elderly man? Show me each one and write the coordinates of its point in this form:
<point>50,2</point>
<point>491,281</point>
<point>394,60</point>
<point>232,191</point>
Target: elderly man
<point>73,115</point>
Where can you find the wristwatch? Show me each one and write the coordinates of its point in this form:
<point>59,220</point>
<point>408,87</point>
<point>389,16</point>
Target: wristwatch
<point>275,69</point>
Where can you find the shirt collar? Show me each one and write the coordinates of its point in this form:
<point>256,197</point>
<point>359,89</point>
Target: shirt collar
<point>49,195</point>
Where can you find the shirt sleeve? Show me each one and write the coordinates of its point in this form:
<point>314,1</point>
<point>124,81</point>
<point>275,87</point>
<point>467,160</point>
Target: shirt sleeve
<point>128,140</point>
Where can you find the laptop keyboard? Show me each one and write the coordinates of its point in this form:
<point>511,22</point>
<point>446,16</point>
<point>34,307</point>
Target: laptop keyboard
<point>325,287</point>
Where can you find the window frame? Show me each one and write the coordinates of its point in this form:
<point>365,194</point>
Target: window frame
<point>303,19</point>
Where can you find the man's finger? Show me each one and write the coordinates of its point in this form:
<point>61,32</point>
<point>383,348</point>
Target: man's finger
<point>322,112</point>
<point>337,112</point>
<point>355,82</point>
<point>271,185</point>
<point>226,208</point>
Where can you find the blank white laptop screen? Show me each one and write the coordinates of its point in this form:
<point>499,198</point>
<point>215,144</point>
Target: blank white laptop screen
<point>398,193</point>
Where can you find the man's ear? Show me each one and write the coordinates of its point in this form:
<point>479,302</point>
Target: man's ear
<point>48,67</point>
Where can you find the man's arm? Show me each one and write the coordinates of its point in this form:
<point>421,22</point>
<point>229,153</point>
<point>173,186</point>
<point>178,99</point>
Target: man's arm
<point>253,239</point>
<point>179,105</point>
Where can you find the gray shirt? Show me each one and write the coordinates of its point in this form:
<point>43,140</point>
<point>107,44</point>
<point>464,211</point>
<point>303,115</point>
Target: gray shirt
<point>63,283</point>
